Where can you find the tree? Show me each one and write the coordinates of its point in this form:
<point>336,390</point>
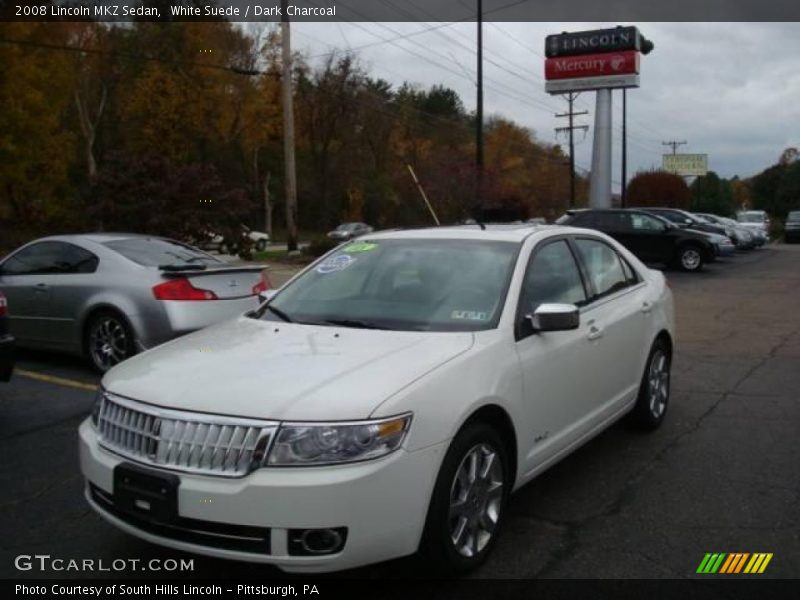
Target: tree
<point>658,188</point>
<point>713,195</point>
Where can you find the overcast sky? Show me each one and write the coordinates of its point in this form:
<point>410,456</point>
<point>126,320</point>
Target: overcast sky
<point>731,90</point>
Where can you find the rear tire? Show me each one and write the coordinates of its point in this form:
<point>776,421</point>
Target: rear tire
<point>108,340</point>
<point>468,503</point>
<point>654,389</point>
<point>261,245</point>
<point>690,258</point>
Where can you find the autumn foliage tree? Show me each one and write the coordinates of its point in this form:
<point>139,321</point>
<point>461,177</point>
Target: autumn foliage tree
<point>658,188</point>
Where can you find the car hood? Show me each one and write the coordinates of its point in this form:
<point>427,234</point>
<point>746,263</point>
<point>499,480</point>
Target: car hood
<point>759,226</point>
<point>283,371</point>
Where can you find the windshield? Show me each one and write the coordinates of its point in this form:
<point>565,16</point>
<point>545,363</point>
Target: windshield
<point>154,252</point>
<point>750,218</point>
<point>411,284</point>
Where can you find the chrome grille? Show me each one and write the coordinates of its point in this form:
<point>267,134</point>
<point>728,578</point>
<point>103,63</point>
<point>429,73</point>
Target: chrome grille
<point>183,441</point>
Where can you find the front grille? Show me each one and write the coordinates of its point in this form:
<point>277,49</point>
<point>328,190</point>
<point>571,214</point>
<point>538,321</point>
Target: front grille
<point>242,538</point>
<point>183,441</point>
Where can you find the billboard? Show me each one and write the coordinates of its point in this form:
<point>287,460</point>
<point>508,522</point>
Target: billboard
<point>562,86</point>
<point>685,165</point>
<point>592,65</point>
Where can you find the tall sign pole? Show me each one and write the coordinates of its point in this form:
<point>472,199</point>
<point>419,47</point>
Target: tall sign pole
<point>600,182</point>
<point>479,116</point>
<point>288,132</point>
<point>624,191</point>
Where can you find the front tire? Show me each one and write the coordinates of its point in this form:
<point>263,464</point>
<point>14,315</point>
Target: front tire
<point>261,245</point>
<point>654,389</point>
<point>690,258</point>
<point>108,340</point>
<point>468,503</point>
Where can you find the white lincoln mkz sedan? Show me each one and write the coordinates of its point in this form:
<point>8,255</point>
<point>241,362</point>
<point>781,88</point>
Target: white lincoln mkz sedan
<point>386,401</point>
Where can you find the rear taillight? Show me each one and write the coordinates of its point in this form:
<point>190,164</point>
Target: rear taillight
<point>261,286</point>
<point>3,306</point>
<point>181,289</point>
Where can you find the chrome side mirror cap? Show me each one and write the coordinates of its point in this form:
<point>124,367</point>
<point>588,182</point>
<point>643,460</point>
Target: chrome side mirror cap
<point>555,317</point>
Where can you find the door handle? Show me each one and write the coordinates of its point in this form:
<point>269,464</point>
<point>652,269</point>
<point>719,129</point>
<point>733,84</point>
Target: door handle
<point>595,333</point>
<point>646,307</point>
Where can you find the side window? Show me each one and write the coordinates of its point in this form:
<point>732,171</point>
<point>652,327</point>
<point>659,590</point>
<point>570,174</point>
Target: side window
<point>552,276</point>
<point>50,258</point>
<point>603,265</point>
<point>642,222</point>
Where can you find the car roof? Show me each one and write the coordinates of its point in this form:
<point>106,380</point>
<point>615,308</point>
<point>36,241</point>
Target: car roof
<point>494,232</point>
<point>95,237</point>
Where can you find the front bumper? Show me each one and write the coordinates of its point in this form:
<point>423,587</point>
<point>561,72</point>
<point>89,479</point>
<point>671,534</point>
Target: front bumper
<point>725,249</point>
<point>6,357</point>
<point>383,504</point>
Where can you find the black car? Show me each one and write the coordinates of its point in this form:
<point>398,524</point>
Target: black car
<point>651,238</point>
<point>791,231</point>
<point>6,342</point>
<point>681,218</point>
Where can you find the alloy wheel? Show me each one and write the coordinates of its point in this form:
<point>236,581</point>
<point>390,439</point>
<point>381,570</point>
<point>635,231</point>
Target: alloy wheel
<point>690,259</point>
<point>658,383</point>
<point>108,342</point>
<point>476,499</point>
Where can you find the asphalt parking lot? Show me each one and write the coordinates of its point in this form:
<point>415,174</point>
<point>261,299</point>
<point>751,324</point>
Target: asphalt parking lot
<point>721,475</point>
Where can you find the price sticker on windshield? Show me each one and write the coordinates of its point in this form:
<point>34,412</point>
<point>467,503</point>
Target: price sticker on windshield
<point>359,247</point>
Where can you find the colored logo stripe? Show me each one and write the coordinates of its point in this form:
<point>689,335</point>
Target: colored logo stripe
<point>734,563</point>
<point>758,563</point>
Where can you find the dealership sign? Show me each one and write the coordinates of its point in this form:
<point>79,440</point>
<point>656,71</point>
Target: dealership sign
<point>592,65</point>
<point>597,40</point>
<point>594,60</point>
<point>686,165</point>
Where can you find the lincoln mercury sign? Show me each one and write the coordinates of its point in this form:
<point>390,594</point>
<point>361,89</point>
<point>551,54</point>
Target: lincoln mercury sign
<point>594,60</point>
<point>686,165</point>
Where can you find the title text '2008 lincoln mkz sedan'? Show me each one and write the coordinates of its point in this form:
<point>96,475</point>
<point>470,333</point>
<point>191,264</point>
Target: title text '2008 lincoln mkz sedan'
<point>386,401</point>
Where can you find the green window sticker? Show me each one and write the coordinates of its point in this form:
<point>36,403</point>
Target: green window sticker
<point>359,247</point>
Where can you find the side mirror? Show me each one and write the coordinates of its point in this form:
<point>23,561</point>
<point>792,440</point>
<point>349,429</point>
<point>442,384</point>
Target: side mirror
<point>266,295</point>
<point>555,317</point>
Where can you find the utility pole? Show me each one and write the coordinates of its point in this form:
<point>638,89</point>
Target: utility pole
<point>288,132</point>
<point>479,117</point>
<point>571,97</point>
<point>624,191</point>
<point>674,145</point>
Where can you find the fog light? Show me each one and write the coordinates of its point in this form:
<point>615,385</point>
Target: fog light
<point>316,542</point>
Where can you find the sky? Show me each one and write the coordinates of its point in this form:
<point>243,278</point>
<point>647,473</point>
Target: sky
<point>731,90</point>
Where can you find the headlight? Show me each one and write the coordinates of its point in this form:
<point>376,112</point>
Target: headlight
<point>98,401</point>
<point>313,444</point>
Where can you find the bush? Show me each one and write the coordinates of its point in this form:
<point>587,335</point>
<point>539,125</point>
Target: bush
<point>320,245</point>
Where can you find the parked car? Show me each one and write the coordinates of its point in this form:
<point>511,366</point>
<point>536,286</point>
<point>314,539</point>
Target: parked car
<point>758,222</point>
<point>348,231</point>
<point>742,238</point>
<point>650,237</point>
<point>108,296</point>
<point>791,229</point>
<point>214,241</point>
<point>6,342</point>
<point>386,401</point>
<point>723,245</point>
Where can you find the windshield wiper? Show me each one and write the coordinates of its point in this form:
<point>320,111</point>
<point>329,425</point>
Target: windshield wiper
<point>279,312</point>
<point>358,324</point>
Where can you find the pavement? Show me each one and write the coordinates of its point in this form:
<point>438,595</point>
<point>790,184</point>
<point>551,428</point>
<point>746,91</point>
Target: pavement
<point>721,475</point>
